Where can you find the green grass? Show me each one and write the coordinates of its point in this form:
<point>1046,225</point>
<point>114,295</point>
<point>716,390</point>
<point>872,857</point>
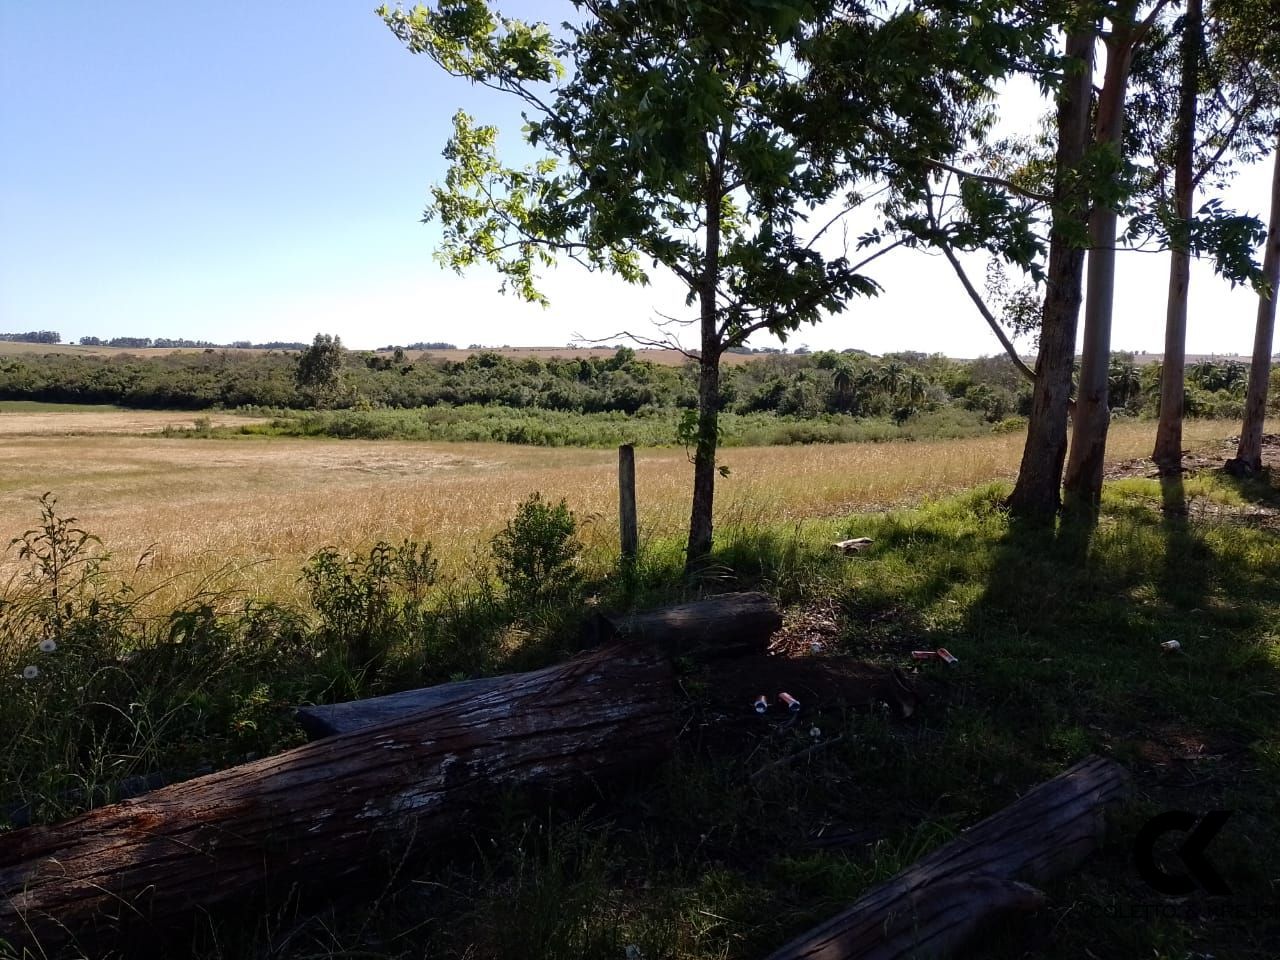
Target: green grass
<point>1058,634</point>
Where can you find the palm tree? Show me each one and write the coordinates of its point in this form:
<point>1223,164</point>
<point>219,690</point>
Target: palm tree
<point>842,380</point>
<point>1123,382</point>
<point>891,377</point>
<point>917,390</point>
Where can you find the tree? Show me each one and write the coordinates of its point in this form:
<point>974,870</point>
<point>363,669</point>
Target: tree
<point>1198,109</point>
<point>1248,458</point>
<point>700,137</point>
<point>1083,479</point>
<point>1168,449</point>
<point>1252,42</point>
<point>319,373</point>
<point>1036,494</point>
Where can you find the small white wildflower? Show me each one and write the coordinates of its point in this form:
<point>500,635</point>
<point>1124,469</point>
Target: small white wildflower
<point>48,646</point>
<point>31,672</point>
<point>815,732</point>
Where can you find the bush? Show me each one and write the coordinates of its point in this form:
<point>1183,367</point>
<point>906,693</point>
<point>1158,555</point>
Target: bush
<point>368,602</point>
<point>537,553</point>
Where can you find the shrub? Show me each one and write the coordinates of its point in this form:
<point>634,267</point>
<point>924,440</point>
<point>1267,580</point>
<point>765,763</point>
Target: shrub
<point>367,602</point>
<point>536,554</point>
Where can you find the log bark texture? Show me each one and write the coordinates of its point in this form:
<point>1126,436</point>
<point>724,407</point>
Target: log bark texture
<point>729,624</point>
<point>933,907</point>
<point>327,810</point>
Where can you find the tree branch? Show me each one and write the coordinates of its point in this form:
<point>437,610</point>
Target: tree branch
<point>986,313</point>
<point>1227,139</point>
<point>996,181</point>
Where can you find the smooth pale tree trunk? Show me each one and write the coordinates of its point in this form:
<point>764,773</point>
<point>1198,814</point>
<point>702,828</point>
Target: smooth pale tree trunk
<point>1036,493</point>
<point>1168,449</point>
<point>1249,450</point>
<point>1083,481</point>
<point>704,459</point>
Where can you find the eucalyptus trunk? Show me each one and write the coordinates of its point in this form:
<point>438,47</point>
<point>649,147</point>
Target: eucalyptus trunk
<point>1085,461</point>
<point>1168,449</point>
<point>1249,450</point>
<point>1036,493</point>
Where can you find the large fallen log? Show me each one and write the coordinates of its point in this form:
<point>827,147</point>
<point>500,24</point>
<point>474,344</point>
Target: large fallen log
<point>732,624</point>
<point>934,907</point>
<point>324,811</point>
<point>726,625</point>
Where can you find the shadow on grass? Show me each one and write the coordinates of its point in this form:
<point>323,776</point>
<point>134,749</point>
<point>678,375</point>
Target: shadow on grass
<point>1067,634</point>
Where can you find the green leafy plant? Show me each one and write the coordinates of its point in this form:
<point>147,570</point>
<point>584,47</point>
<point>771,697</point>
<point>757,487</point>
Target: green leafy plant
<point>537,553</point>
<point>368,601</point>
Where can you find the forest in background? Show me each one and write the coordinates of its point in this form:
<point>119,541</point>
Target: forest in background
<point>852,385</point>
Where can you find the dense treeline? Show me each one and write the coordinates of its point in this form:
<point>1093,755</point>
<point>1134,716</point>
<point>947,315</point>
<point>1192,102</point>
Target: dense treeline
<point>895,386</point>
<point>33,336</point>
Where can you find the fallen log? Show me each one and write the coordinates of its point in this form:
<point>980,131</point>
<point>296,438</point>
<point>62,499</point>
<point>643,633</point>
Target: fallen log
<point>731,624</point>
<point>324,811</point>
<point>726,625</point>
<point>935,906</point>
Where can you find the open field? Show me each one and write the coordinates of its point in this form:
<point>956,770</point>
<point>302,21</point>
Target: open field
<point>202,504</point>
<point>28,419</point>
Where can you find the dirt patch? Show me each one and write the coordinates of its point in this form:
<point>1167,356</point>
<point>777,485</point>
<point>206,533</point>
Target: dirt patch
<point>1213,457</point>
<point>808,630</point>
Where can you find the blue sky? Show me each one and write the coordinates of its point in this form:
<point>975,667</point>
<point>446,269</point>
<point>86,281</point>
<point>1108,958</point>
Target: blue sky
<point>257,171</point>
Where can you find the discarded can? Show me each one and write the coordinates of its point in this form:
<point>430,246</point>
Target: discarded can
<point>947,657</point>
<point>924,654</point>
<point>792,703</point>
<point>815,733</point>
<point>762,704</point>
<point>1170,645</point>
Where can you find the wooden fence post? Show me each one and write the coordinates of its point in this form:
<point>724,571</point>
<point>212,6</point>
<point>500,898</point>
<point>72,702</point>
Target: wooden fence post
<point>627,501</point>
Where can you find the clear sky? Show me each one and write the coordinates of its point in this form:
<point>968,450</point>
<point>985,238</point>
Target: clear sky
<point>257,171</point>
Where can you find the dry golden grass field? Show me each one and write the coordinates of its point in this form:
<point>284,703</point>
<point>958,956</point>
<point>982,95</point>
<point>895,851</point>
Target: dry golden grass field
<point>263,505</point>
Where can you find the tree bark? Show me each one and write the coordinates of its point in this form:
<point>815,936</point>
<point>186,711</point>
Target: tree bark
<point>1036,492</point>
<point>325,811</point>
<point>1249,450</point>
<point>1086,459</point>
<point>734,624</point>
<point>1168,449</point>
<point>934,907</point>
<point>704,460</point>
